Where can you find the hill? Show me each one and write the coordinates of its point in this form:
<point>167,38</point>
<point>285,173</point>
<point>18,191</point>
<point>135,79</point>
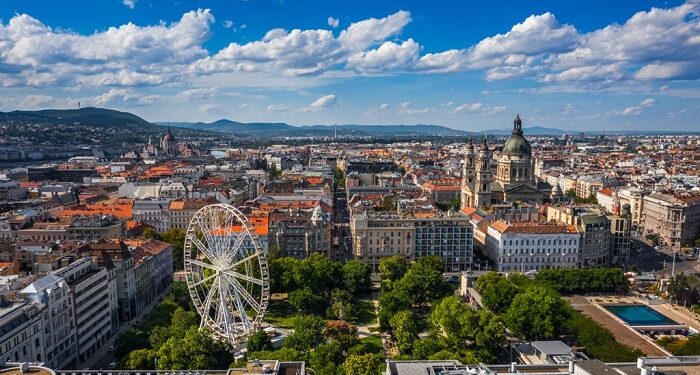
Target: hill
<point>85,116</point>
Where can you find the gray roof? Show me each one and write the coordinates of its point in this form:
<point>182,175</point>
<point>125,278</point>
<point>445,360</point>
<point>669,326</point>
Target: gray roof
<point>41,284</point>
<point>552,347</point>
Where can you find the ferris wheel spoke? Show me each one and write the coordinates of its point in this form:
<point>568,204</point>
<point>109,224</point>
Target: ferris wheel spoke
<point>245,294</point>
<point>223,305</point>
<point>204,280</point>
<point>242,261</point>
<point>241,276</point>
<point>207,253</point>
<point>241,311</point>
<point>208,299</point>
<point>202,264</point>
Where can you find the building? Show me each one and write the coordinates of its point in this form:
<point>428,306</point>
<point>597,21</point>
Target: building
<point>448,236</point>
<point>181,211</point>
<point>55,300</point>
<point>153,212</point>
<point>593,226</point>
<point>673,218</point>
<point>532,246</point>
<point>635,198</point>
<point>514,175</point>
<point>620,235</point>
<point>116,255</point>
<point>300,233</point>
<point>95,305</point>
<point>376,235</point>
<point>21,332</point>
<point>168,144</point>
<point>94,228</point>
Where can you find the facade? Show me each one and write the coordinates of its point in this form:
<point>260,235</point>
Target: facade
<point>95,228</point>
<point>116,255</point>
<point>21,332</point>
<point>673,218</point>
<point>55,299</point>
<point>635,198</point>
<point>532,246</point>
<point>380,234</point>
<point>620,235</point>
<point>513,178</point>
<point>594,228</point>
<point>94,292</point>
<point>153,212</point>
<point>181,211</point>
<point>300,233</point>
<point>168,144</point>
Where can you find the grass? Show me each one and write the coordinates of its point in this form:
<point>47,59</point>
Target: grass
<point>280,314</point>
<point>373,343</point>
<point>365,313</point>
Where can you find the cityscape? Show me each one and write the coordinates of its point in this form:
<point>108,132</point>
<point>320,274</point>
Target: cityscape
<point>349,188</point>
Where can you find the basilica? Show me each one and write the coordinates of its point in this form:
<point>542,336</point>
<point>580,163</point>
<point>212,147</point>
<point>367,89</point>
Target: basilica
<point>513,178</point>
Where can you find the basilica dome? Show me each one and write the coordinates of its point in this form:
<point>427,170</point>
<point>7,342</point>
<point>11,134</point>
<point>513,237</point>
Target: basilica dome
<point>516,143</point>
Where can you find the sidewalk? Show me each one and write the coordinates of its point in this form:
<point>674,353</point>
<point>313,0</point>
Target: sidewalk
<point>103,357</point>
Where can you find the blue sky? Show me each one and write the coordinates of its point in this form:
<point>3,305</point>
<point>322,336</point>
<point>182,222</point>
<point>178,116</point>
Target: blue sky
<point>468,65</point>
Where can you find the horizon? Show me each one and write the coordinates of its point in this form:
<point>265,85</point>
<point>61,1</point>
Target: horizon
<point>567,66</point>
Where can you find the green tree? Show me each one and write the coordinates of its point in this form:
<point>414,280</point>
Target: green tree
<point>130,340</point>
<point>284,354</point>
<point>307,335</point>
<point>405,330</point>
<point>259,341</point>
<point>176,238</point>
<point>537,314</point>
<point>423,283</point>
<point>392,268</point>
<point>283,274</point>
<point>497,292</point>
<point>342,332</point>
<point>140,359</point>
<point>197,350</point>
<point>366,364</point>
<point>490,337</point>
<point>356,277</point>
<point>425,347</point>
<point>307,301</point>
<point>391,302</point>
<point>456,321</point>
<point>327,354</point>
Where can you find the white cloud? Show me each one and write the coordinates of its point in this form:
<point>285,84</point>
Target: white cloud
<point>384,106</point>
<point>389,56</point>
<point>407,108</point>
<point>333,22</point>
<point>228,24</point>
<point>278,108</point>
<point>467,107</point>
<point>326,101</point>
<point>129,3</point>
<point>637,109</point>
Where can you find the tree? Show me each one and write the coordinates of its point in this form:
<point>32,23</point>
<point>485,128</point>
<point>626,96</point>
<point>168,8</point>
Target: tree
<point>282,275</point>
<point>490,337</point>
<point>392,268</point>
<point>176,238</point>
<point>342,332</point>
<point>537,314</point>
<point>684,289</point>
<point>423,283</point>
<point>140,359</point>
<point>197,350</point>
<point>283,354</point>
<point>456,321</point>
<point>366,364</point>
<point>391,302</point>
<point>425,347</point>
<point>306,300</point>
<point>356,277</point>
<point>130,340</point>
<point>259,341</point>
<point>405,330</point>
<point>327,354</point>
<point>497,292</point>
<point>308,334</point>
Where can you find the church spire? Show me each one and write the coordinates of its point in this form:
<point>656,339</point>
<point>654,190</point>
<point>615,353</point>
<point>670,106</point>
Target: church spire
<point>517,125</point>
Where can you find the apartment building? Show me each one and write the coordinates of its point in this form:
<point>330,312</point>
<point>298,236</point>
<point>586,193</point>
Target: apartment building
<point>593,227</point>
<point>532,246</point>
<point>620,235</point>
<point>299,233</point>
<point>635,198</point>
<point>55,300</point>
<point>449,236</point>
<point>21,332</point>
<point>673,218</point>
<point>181,211</point>
<point>153,212</point>
<point>381,234</point>
<point>95,304</point>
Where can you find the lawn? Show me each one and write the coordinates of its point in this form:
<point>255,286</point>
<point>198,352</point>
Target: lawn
<point>373,343</point>
<point>280,314</point>
<point>365,313</point>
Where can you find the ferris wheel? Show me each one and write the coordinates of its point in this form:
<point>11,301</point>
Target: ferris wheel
<point>226,272</point>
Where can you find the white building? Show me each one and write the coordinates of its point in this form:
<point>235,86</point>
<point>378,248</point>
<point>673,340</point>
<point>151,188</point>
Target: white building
<point>95,304</point>
<point>21,333</point>
<point>531,246</point>
<point>53,295</point>
<point>153,212</point>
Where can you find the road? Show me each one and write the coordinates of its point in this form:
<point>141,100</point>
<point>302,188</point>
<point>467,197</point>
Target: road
<point>650,260</point>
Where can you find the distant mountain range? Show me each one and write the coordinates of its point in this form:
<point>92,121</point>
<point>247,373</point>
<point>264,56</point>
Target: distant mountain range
<point>118,120</point>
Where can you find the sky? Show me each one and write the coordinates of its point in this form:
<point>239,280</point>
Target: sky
<point>572,65</point>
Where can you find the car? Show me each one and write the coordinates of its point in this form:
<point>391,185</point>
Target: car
<point>112,365</point>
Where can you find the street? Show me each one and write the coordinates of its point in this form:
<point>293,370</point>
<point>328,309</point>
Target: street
<point>650,260</point>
